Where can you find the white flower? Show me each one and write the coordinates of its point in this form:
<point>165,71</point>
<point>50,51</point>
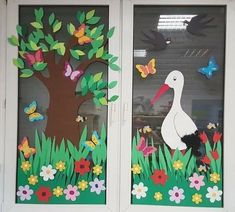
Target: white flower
<point>139,190</point>
<point>214,194</point>
<point>47,172</point>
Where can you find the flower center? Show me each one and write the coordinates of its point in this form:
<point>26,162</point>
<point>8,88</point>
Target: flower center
<point>196,181</point>
<point>44,193</point>
<point>96,185</point>
<point>48,171</point>
<point>71,192</point>
<point>82,166</point>
<point>139,190</point>
<point>213,194</point>
<point>24,192</point>
<point>177,194</point>
<point>159,177</point>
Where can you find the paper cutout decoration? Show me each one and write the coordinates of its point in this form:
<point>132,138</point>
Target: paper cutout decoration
<point>212,126</point>
<point>208,70</point>
<point>145,129</point>
<point>197,24</point>
<point>31,112</point>
<point>145,70</point>
<point>157,40</point>
<point>95,140</point>
<point>80,35</point>
<point>81,119</point>
<point>143,147</point>
<point>31,59</point>
<point>74,75</point>
<point>25,148</point>
<point>184,132</point>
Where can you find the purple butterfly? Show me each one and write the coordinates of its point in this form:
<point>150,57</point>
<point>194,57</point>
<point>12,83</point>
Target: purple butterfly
<point>144,148</point>
<point>74,75</point>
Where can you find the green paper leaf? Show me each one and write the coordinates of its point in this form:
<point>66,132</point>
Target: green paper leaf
<point>70,28</point>
<point>103,101</point>
<point>37,25</point>
<point>93,20</point>
<point>110,32</point>
<point>114,67</point>
<point>21,53</point>
<point>100,52</point>
<point>96,44</point>
<point>76,53</point>
<point>33,45</point>
<point>13,40</point>
<point>19,30</point>
<point>49,39</point>
<point>112,84</point>
<point>90,14</point>
<point>81,17</point>
<point>113,59</point>
<point>91,53</point>
<point>57,26</point>
<point>60,48</point>
<point>39,66</point>
<point>26,73</point>
<point>98,76</point>
<point>84,86</point>
<point>99,94</point>
<point>97,102</point>
<point>44,47</point>
<point>19,63</point>
<point>51,18</point>
<point>101,84</point>
<point>22,45</point>
<point>33,38</point>
<point>39,14</point>
<point>113,98</point>
<point>107,56</point>
<point>39,34</point>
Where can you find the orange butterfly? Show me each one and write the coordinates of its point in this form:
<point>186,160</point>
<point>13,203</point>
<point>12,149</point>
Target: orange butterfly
<point>145,70</point>
<point>80,34</point>
<point>24,147</point>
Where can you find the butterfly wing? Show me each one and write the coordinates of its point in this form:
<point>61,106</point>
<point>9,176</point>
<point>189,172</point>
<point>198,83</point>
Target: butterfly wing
<point>31,108</point>
<point>149,150</point>
<point>95,138</point>
<point>30,59</point>
<point>213,64</point>
<point>143,70</point>
<point>80,31</point>
<point>84,39</point>
<point>67,69</point>
<point>24,147</point>
<point>75,75</point>
<point>35,117</point>
<point>151,66</point>
<point>39,56</point>
<point>89,145</point>
<point>141,145</point>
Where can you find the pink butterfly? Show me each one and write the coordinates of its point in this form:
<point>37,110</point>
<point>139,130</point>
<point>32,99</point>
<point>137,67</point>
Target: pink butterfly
<point>33,58</point>
<point>144,148</point>
<point>74,75</point>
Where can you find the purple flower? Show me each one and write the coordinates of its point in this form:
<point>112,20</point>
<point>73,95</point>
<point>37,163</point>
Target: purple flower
<point>24,192</point>
<point>71,192</point>
<point>196,181</point>
<point>176,194</point>
<point>97,186</point>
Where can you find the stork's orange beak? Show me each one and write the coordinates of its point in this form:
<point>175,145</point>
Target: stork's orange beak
<point>163,89</point>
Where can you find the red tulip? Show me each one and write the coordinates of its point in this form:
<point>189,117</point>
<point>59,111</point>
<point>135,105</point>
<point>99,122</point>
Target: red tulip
<point>203,137</point>
<point>215,154</point>
<point>206,160</point>
<point>217,136</point>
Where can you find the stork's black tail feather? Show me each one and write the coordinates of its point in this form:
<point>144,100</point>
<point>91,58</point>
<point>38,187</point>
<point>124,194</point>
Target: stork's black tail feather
<point>193,141</point>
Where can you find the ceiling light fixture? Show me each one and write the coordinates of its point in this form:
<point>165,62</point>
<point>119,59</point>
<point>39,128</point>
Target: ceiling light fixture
<point>140,53</point>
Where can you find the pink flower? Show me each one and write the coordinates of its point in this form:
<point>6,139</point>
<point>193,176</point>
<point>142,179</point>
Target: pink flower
<point>176,194</point>
<point>196,181</point>
<point>71,192</point>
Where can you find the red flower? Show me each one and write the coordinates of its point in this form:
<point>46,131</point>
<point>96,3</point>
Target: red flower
<point>203,137</point>
<point>206,160</point>
<point>43,194</point>
<point>215,154</point>
<point>82,166</point>
<point>217,136</point>
<point>159,177</point>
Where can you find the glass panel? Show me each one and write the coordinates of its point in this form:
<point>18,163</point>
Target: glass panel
<point>62,114</point>
<point>177,148</point>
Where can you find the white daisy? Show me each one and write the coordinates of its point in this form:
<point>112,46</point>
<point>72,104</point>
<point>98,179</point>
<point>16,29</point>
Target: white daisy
<point>139,190</point>
<point>214,194</point>
<point>47,172</point>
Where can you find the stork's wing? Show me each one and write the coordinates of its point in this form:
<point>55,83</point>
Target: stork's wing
<point>183,124</point>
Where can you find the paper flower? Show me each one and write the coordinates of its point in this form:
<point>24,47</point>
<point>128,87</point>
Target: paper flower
<point>25,166</point>
<point>82,185</point>
<point>217,137</point>
<point>60,166</point>
<point>215,154</point>
<point>71,193</point>
<point>159,177</point>
<point>43,194</point>
<point>47,172</point>
<point>158,196</point>
<point>196,181</point>
<point>214,194</point>
<point>33,179</point>
<point>97,169</point>
<point>82,166</point>
<point>178,165</point>
<point>58,191</point>
<point>215,177</point>
<point>206,160</point>
<point>176,194</point>
<point>136,169</point>
<point>203,137</point>
<point>139,190</point>
<point>24,192</point>
<point>97,186</point>
<point>197,198</point>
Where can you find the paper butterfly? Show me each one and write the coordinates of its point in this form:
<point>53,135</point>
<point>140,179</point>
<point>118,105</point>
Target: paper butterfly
<point>80,35</point>
<point>73,75</point>
<point>31,59</point>
<point>145,70</point>
<point>145,129</point>
<point>208,70</point>
<point>143,147</point>
<point>31,111</point>
<point>212,126</point>
<point>81,119</point>
<point>95,140</point>
<point>24,147</point>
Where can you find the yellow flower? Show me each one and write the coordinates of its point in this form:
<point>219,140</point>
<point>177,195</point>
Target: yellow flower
<point>33,179</point>
<point>25,165</point>
<point>58,191</point>
<point>178,165</point>
<point>60,166</point>
<point>82,185</point>
<point>158,196</point>
<point>197,198</point>
<point>97,170</point>
<point>136,168</point>
<point>214,177</point>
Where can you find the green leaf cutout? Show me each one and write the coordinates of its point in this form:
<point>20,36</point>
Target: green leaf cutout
<point>60,48</point>
<point>113,98</point>
<point>33,45</point>
<point>76,53</point>
<point>98,76</point>
<point>93,20</point>
<point>100,52</point>
<point>91,53</point>
<point>97,102</point>
<point>114,67</point>
<point>19,30</point>
<point>26,73</point>
<point>19,63</point>
<point>13,40</point>
<point>39,66</point>
<point>44,47</point>
<point>49,39</point>
<point>112,84</point>
<point>51,18</point>
<point>39,14</point>
<point>81,17</point>
<point>57,26</point>
<point>90,14</point>
<point>103,101</point>
<point>37,25</point>
<point>110,32</point>
<point>70,28</point>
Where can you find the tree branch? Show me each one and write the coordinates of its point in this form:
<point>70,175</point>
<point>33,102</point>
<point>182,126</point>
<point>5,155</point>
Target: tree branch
<point>82,99</point>
<point>43,79</point>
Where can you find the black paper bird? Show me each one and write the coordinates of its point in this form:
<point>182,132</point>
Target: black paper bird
<point>197,24</point>
<point>157,40</point>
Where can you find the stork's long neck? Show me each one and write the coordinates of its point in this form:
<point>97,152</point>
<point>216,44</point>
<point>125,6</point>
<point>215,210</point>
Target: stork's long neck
<point>177,98</point>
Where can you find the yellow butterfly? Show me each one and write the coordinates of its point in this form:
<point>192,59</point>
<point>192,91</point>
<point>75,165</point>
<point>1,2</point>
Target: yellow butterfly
<point>31,111</point>
<point>145,70</point>
<point>80,34</point>
<point>95,140</point>
<point>24,147</point>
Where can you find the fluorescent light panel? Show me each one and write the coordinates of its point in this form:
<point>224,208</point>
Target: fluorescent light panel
<point>140,52</point>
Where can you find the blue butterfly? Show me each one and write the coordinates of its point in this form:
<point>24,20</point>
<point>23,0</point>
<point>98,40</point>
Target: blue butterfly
<point>208,70</point>
<point>31,112</point>
<point>95,140</point>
